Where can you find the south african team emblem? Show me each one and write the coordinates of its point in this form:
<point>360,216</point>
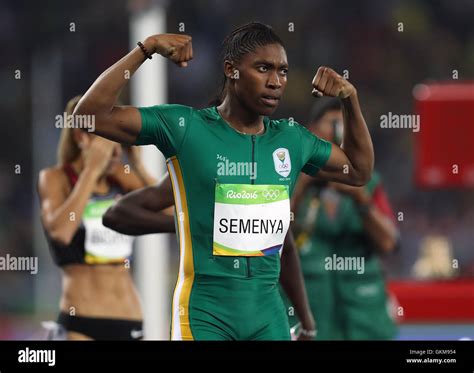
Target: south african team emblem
<point>282,162</point>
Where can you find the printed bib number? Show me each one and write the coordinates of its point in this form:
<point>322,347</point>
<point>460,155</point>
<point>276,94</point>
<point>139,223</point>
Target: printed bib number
<point>103,245</point>
<point>250,220</point>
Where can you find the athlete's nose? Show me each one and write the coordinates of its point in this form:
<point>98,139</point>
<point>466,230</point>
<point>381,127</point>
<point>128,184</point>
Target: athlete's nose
<point>274,81</point>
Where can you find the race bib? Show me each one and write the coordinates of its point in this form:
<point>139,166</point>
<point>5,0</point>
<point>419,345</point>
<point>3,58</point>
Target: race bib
<point>103,245</point>
<point>250,220</point>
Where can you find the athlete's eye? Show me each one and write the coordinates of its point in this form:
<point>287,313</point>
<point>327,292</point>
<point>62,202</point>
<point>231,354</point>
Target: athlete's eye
<point>284,71</point>
<point>262,68</point>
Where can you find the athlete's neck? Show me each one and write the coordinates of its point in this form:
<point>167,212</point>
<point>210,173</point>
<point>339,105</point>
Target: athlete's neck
<point>240,118</point>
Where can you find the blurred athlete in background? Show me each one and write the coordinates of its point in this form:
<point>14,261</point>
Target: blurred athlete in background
<point>99,300</point>
<point>337,227</point>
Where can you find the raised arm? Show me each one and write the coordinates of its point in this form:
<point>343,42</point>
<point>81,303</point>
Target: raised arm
<point>123,123</point>
<point>140,212</point>
<point>353,162</point>
<point>61,212</point>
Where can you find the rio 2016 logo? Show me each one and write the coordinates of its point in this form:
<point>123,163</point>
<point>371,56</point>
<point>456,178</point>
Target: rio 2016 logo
<point>241,195</point>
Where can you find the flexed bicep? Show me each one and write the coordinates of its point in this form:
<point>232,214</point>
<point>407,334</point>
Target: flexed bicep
<point>338,168</point>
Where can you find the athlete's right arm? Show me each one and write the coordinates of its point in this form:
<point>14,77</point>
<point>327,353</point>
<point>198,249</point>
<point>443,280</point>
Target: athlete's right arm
<point>123,123</point>
<point>140,212</point>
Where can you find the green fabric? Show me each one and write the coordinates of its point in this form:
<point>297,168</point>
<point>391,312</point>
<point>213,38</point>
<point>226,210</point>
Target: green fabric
<point>345,304</point>
<point>198,138</point>
<point>237,309</point>
<point>231,297</point>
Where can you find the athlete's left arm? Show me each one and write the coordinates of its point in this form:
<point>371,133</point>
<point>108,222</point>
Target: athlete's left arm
<point>353,162</point>
<point>141,211</point>
<point>292,282</point>
<point>127,178</point>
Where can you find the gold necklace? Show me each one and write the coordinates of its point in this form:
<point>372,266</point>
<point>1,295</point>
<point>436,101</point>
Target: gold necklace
<point>254,134</point>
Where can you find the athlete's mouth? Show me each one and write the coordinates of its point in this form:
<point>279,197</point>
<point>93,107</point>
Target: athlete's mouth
<point>270,100</point>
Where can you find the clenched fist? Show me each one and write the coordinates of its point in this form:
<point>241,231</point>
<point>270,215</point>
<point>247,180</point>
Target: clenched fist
<point>177,47</point>
<point>327,82</point>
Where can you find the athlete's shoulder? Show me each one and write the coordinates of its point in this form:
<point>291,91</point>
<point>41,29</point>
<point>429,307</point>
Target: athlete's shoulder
<point>179,107</point>
<point>208,113</point>
<point>290,125</point>
<point>169,109</point>
<point>52,177</point>
<point>174,107</point>
<point>52,173</point>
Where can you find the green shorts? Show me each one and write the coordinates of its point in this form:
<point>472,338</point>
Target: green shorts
<point>226,309</point>
<point>363,307</point>
<point>343,312</point>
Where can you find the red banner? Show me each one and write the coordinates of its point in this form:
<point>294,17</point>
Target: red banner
<point>444,145</point>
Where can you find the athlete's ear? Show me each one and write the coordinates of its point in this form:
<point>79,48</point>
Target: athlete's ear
<point>230,70</point>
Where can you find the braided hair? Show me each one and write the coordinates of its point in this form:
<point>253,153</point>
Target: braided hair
<point>242,40</point>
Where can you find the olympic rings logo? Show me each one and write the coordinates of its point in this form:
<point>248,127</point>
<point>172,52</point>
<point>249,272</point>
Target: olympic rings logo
<point>270,195</point>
